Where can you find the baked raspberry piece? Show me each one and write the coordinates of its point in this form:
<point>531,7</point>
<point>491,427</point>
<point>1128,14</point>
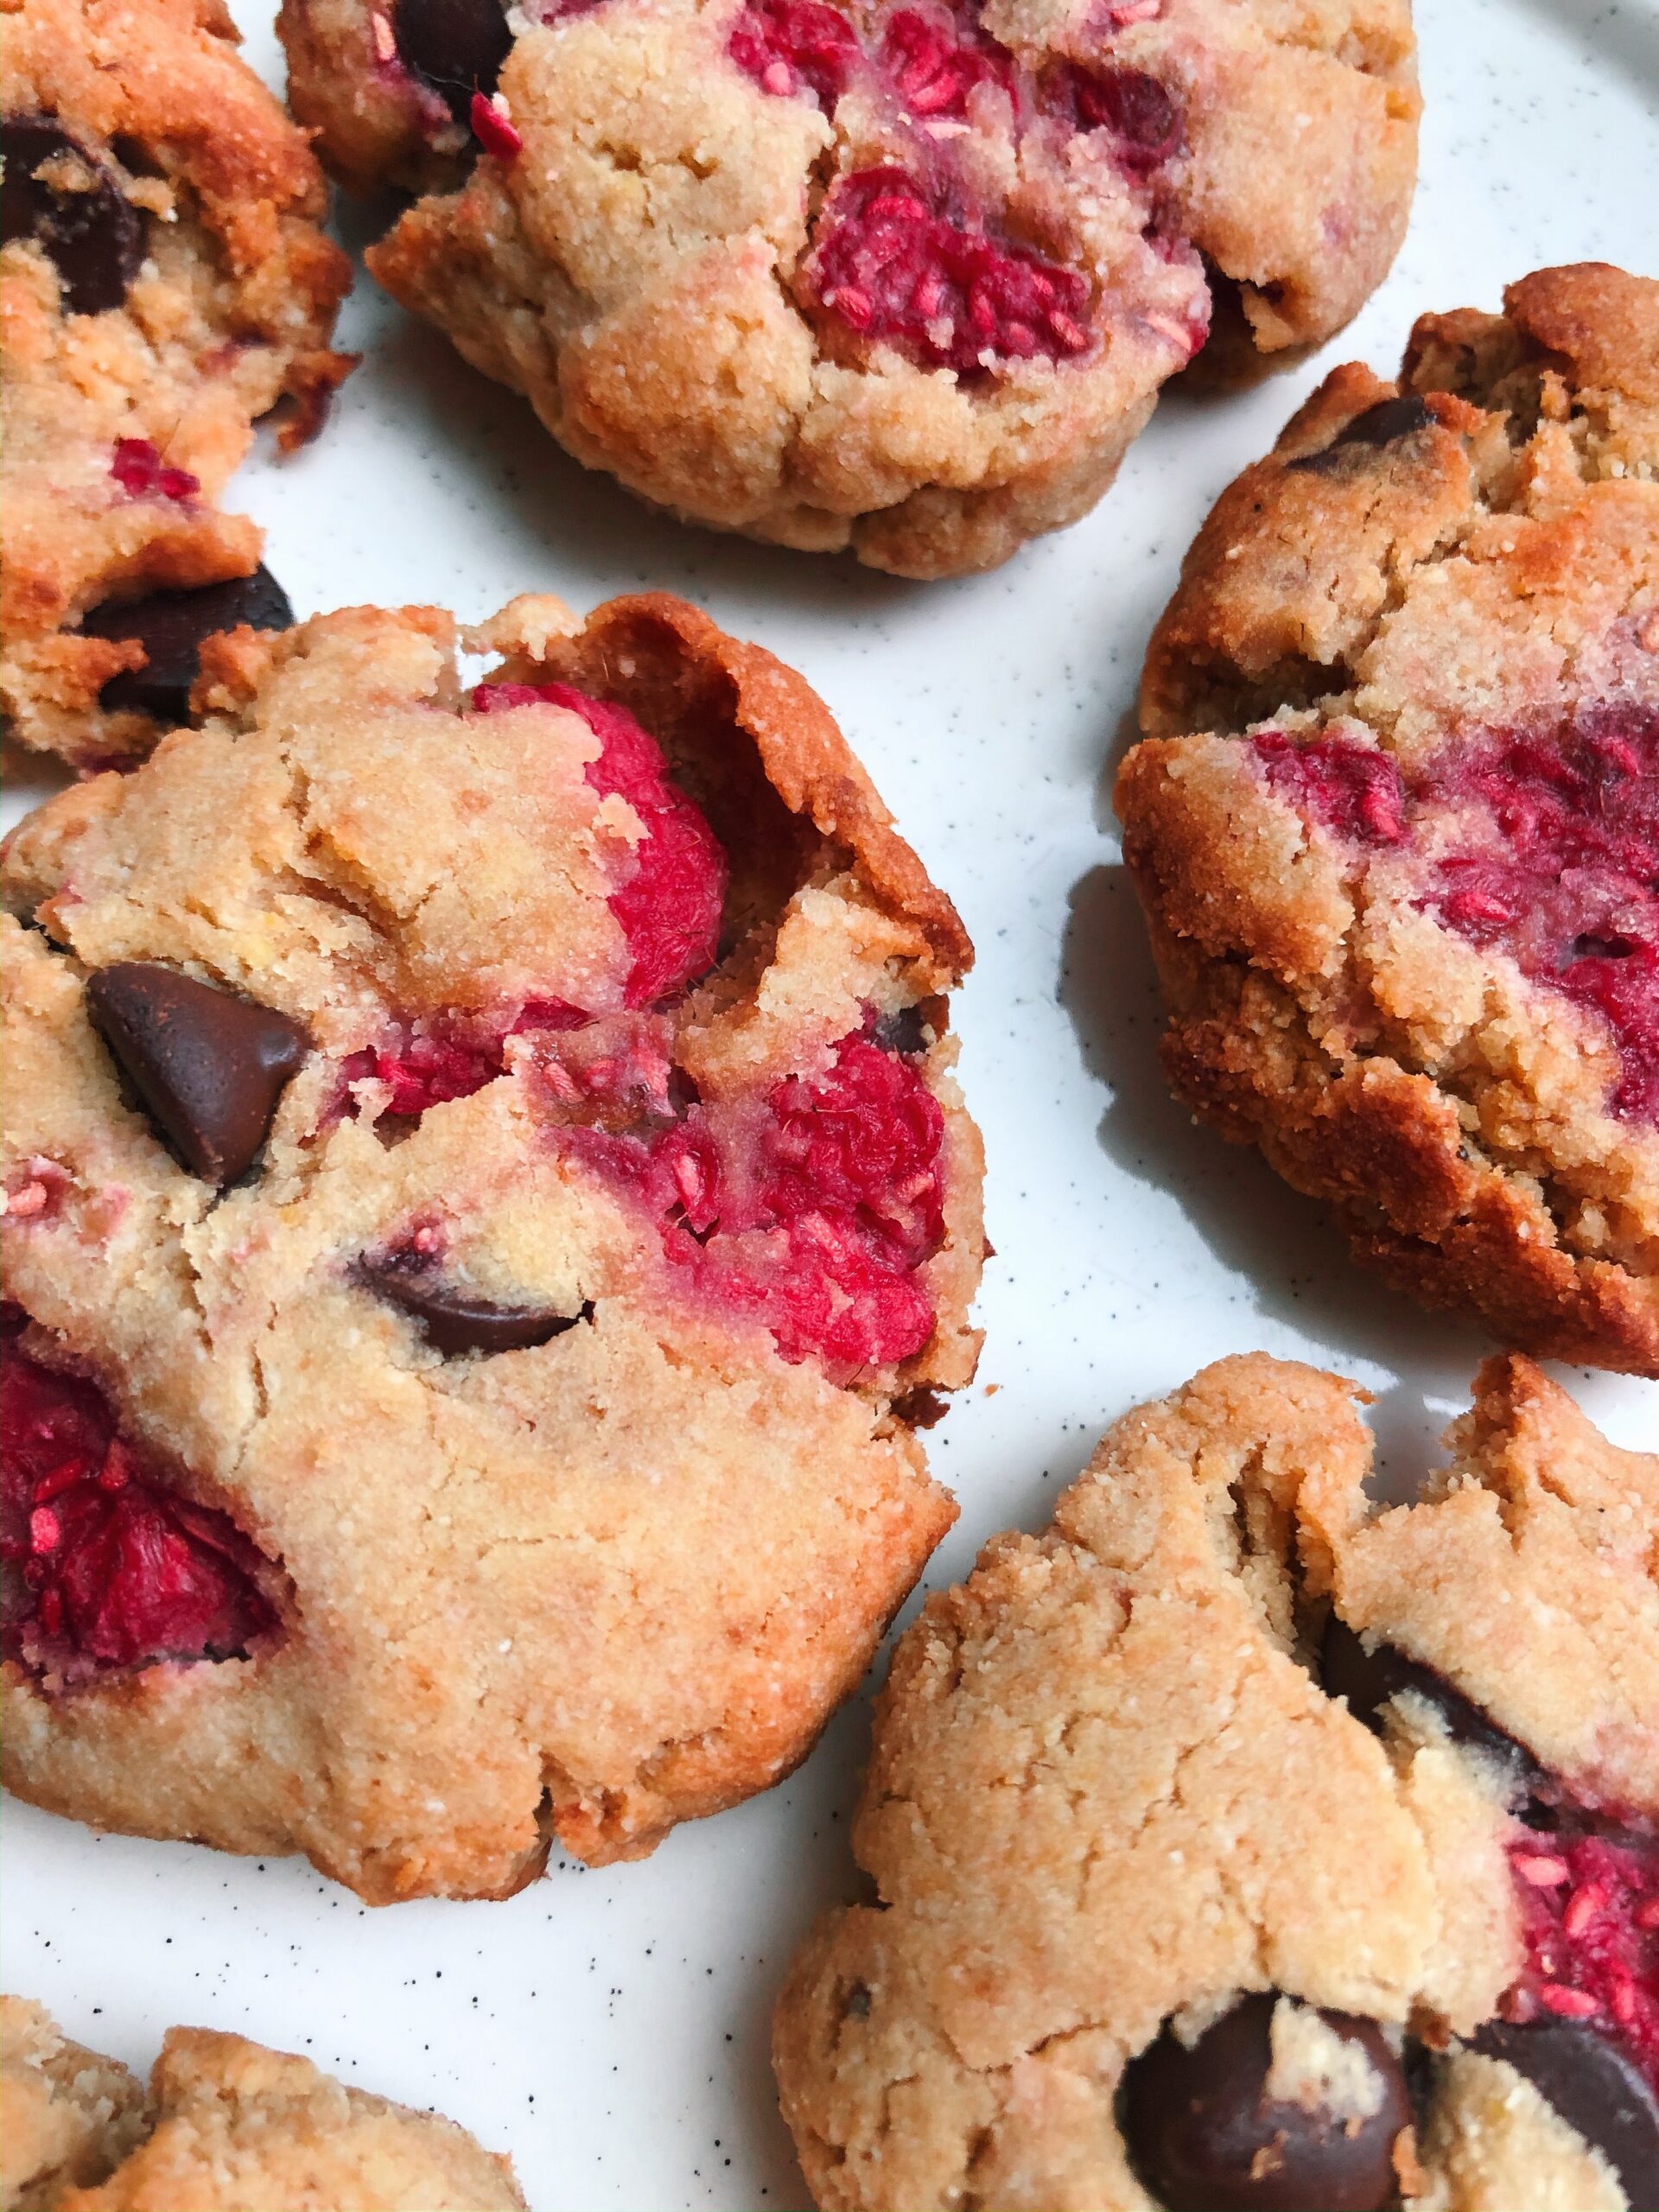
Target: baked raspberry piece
<point>1396,823</point>
<point>1238,1846</point>
<point>496,1143</point>
<point>225,2122</point>
<point>900,278</point>
<point>163,284</point>
<point>103,1568</point>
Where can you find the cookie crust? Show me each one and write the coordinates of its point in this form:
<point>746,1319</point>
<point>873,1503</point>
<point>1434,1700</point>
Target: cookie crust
<point>229,314</point>
<point>667,1550</point>
<point>1420,575</point>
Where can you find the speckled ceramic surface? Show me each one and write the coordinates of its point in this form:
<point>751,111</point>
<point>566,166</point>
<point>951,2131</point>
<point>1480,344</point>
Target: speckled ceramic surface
<point>609,2029</point>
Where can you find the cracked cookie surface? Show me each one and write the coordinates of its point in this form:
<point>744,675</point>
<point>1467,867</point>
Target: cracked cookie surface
<point>901,278</point>
<point>1236,1843</point>
<point>1397,821</point>
<point>225,2124</point>
<point>163,282</point>
<point>503,1427</point>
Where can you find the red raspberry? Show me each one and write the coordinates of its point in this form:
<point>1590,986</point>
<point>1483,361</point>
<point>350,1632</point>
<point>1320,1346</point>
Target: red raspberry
<point>670,908</point>
<point>811,1209</point>
<point>933,67</point>
<point>139,470</point>
<point>793,46</point>
<point>1350,788</point>
<point>1590,1920</point>
<point>897,262</point>
<point>1140,112</point>
<point>105,1565</point>
<point>1557,865</point>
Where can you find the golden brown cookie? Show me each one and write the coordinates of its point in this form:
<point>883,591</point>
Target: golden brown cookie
<point>163,282</point>
<point>1396,823</point>
<point>227,2126</point>
<point>488,1207</point>
<point>901,278</point>
<point>1238,1844</point>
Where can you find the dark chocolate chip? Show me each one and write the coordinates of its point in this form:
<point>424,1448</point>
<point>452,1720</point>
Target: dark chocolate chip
<point>208,1067</point>
<point>856,2005</point>
<point>903,1032</point>
<point>921,1408</point>
<point>1379,426</point>
<point>172,627</point>
<point>95,238</point>
<point>1594,2087</point>
<point>1206,2138</point>
<point>1368,1679</point>
<point>452,1321</point>
<point>456,46</point>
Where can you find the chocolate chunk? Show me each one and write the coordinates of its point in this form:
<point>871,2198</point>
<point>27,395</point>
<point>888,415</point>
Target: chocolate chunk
<point>903,1032</point>
<point>456,46</point>
<point>208,1066</point>
<point>1593,2085</point>
<point>94,237</point>
<point>454,1321</point>
<point>172,627</point>
<point>1379,426</point>
<point>1368,1679</point>
<point>1206,2137</point>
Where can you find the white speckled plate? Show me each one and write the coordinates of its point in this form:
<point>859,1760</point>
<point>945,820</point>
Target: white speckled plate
<point>610,2028</point>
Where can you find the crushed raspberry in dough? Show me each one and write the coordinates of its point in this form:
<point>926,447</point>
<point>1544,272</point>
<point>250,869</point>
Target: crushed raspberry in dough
<point>1590,1918</point>
<point>811,1208</point>
<point>1553,857</point>
<point>898,261</point>
<point>104,1565</point>
<point>670,908</point>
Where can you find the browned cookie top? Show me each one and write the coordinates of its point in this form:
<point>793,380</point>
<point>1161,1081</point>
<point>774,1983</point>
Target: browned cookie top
<point>1397,823</point>
<point>163,282</point>
<point>1235,1843</point>
<point>487,1204</point>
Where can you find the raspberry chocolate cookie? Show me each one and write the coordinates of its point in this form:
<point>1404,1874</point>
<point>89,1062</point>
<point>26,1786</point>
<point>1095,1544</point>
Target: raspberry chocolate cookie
<point>226,2124</point>
<point>163,282</point>
<point>904,278</point>
<point>1239,1847</point>
<point>487,1210</point>
<point>1397,824</point>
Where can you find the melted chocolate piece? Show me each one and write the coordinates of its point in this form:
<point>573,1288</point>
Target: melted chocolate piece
<point>1379,426</point>
<point>1594,2088</point>
<point>95,238</point>
<point>904,1032</point>
<point>172,627</point>
<point>1206,2138</point>
<point>456,46</point>
<point>1368,1679</point>
<point>207,1067</point>
<point>454,1321</point>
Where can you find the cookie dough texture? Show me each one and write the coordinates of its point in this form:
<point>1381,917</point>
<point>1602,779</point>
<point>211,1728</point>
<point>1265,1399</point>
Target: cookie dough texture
<point>582,1591</point>
<point>227,2126</point>
<point>1491,566</point>
<point>642,270</point>
<point>1107,1790</point>
<point>229,313</point>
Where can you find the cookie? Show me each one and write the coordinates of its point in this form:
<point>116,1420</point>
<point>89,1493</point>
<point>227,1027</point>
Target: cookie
<point>227,2124</point>
<point>163,282</point>
<point>901,278</point>
<point>488,1208</point>
<point>1237,1845</point>
<point>1397,821</point>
